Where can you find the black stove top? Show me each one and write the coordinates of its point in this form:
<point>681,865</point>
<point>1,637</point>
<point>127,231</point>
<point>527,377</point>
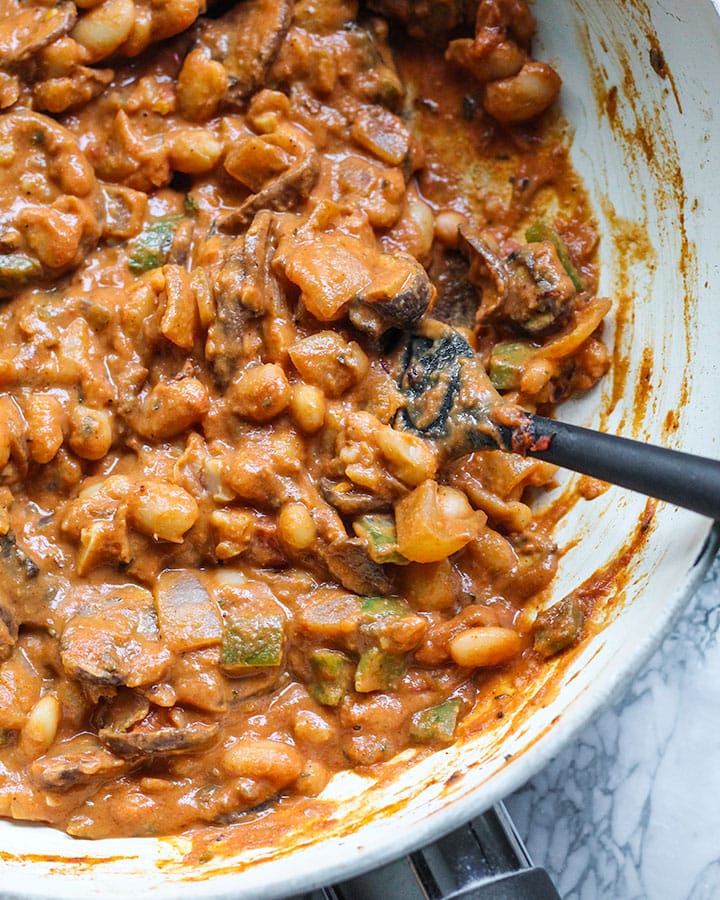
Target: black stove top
<point>483,860</point>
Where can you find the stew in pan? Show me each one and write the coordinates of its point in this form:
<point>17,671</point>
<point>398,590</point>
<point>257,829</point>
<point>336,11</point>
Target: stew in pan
<point>225,574</point>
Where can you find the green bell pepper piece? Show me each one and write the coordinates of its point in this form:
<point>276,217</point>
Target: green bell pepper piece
<point>540,231</point>
<point>378,532</point>
<point>374,608</point>
<point>506,363</point>
<point>17,270</point>
<point>333,674</point>
<point>378,670</point>
<point>436,723</point>
<point>252,642</point>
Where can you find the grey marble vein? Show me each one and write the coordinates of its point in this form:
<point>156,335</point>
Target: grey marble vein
<point>631,809</point>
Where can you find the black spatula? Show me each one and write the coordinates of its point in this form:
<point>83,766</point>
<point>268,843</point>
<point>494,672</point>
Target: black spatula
<point>451,401</point>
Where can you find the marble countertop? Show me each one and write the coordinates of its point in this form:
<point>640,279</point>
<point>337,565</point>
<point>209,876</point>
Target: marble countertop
<point>631,809</point>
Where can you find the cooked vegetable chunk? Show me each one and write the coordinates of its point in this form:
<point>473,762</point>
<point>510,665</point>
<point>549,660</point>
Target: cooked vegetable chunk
<point>188,616</point>
<point>261,261</point>
<point>378,670</point>
<point>559,627</point>
<point>333,676</point>
<point>437,723</point>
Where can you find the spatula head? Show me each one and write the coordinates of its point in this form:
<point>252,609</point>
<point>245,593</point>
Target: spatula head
<point>449,398</point>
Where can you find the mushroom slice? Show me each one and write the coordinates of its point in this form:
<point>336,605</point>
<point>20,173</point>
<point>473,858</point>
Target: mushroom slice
<point>8,631</point>
<point>245,289</point>
<point>348,561</point>
<point>28,29</point>
<point>123,711</point>
<point>401,300</point>
<point>246,39</point>
<point>427,19</point>
<point>15,562</point>
<point>350,502</point>
<point>165,741</point>
<point>78,761</point>
<point>283,193</point>
<point>112,639</point>
<point>525,284</point>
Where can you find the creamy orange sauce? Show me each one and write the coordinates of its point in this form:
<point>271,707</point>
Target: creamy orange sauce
<point>227,571</point>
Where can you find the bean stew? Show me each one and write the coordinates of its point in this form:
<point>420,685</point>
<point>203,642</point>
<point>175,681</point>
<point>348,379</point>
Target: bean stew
<point>226,573</point>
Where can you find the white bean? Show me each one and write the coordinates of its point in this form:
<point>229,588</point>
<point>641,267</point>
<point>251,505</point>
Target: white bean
<point>41,726</point>
<point>105,27</point>
<point>486,645</point>
<point>162,510</point>
<point>273,761</point>
<point>525,95</point>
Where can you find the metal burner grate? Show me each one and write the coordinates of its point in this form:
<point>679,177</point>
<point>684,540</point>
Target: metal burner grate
<point>483,860</point>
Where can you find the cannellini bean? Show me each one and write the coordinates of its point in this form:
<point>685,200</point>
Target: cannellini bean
<point>494,552</point>
<point>536,374</point>
<point>233,530</point>
<point>141,33</point>
<point>503,61</point>
<point>296,526</point>
<point>266,760</point>
<point>170,408</point>
<point>312,727</point>
<point>447,227</point>
<point>194,151</point>
<point>45,417</point>
<point>162,510</point>
<point>170,17</point>
<point>525,95</point>
<point>260,393</point>
<point>307,407</point>
<point>41,726</point>
<point>91,432</point>
<point>105,27</point>
<point>313,779</point>
<point>410,458</point>
<point>485,646</point>
<point>201,85</point>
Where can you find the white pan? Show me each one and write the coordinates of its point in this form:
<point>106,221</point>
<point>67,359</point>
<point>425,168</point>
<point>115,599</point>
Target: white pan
<point>640,91</point>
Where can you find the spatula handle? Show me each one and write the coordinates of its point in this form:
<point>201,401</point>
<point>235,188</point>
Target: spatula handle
<point>692,482</point>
